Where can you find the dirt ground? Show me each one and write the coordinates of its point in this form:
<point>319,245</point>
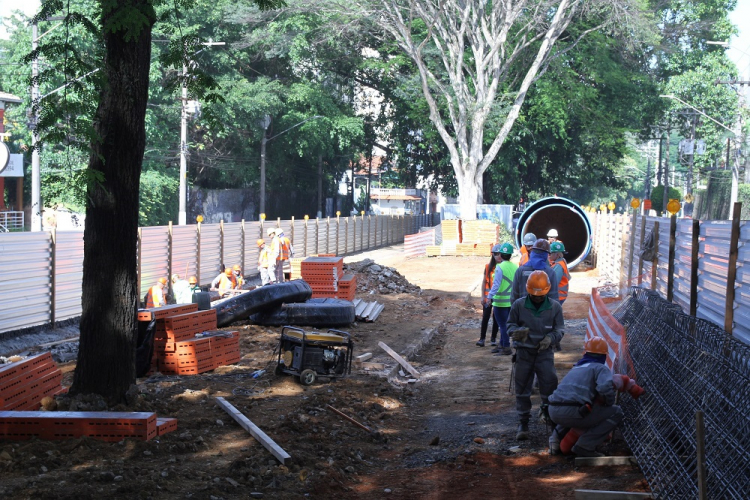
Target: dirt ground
<point>449,434</point>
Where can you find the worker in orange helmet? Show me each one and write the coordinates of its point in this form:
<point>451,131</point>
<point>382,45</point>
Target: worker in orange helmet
<point>223,282</point>
<point>585,400</point>
<point>239,279</point>
<point>194,287</point>
<point>286,253</point>
<point>265,277</point>
<point>535,323</point>
<point>155,296</point>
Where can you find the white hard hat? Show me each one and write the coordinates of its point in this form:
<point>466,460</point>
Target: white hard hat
<point>552,233</point>
<point>270,231</point>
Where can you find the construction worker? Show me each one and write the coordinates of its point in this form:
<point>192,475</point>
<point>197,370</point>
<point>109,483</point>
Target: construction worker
<point>528,241</point>
<point>552,236</point>
<point>155,295</point>
<point>263,262</point>
<point>535,323</point>
<point>538,261</point>
<point>562,276</point>
<point>194,287</point>
<point>275,268</point>
<point>584,400</point>
<point>500,295</point>
<point>238,278</point>
<point>223,282</point>
<point>181,290</point>
<point>487,281</point>
<point>287,252</point>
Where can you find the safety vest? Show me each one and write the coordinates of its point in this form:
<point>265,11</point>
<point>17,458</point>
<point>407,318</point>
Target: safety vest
<point>154,297</point>
<point>286,246</point>
<point>233,279</point>
<point>224,283</point>
<point>489,277</point>
<point>275,248</point>
<point>239,280</point>
<point>263,258</point>
<point>562,287</point>
<point>524,256</point>
<point>502,297</point>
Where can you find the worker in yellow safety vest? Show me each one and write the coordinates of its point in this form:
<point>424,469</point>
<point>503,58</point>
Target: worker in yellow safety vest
<point>238,278</point>
<point>500,295</point>
<point>263,262</point>
<point>223,282</point>
<point>155,295</point>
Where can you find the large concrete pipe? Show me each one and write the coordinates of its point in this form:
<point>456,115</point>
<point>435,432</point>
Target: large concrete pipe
<point>571,222</point>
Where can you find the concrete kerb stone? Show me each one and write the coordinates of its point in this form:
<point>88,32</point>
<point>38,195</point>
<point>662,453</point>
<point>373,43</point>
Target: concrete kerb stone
<point>411,352</point>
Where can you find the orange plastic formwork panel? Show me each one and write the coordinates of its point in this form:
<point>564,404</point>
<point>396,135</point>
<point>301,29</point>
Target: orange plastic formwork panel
<point>25,377</point>
<point>30,396</point>
<point>321,294</point>
<point>12,370</point>
<point>165,311</point>
<point>165,425</point>
<point>106,426</point>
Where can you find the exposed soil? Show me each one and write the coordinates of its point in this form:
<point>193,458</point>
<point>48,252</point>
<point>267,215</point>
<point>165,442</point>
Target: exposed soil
<point>450,434</point>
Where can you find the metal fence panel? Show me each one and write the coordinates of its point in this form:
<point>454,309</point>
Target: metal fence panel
<point>68,274</point>
<point>341,235</point>
<point>233,241</point>
<point>713,268</point>
<point>210,248</point>
<point>154,256</point>
<point>252,231</point>
<point>184,251</point>
<point>24,258</point>
<point>662,283</point>
<point>297,236</point>
<point>741,328</point>
<point>683,263</point>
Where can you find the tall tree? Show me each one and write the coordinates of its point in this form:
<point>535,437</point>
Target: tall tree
<point>478,59</point>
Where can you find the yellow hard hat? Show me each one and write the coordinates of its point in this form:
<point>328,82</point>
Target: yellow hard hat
<point>228,271</point>
<point>193,280</point>
<point>163,281</point>
<point>260,243</point>
<point>237,267</point>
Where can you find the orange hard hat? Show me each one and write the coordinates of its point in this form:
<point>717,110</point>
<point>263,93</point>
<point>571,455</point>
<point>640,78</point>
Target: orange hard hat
<point>193,280</point>
<point>260,243</point>
<point>237,267</point>
<point>228,271</point>
<point>538,284</point>
<point>596,345</point>
<point>163,281</point>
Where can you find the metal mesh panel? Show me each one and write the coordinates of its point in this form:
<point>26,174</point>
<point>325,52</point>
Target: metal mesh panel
<point>154,256</point>
<point>68,274</point>
<point>686,365</point>
<point>184,251</point>
<point>210,247</point>
<point>25,258</point>
<point>233,244</point>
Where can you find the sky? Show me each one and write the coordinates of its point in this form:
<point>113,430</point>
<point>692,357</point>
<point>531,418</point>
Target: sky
<point>739,46</point>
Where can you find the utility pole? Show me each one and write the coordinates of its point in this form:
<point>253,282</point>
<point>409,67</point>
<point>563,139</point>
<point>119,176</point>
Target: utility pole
<point>36,202</point>
<point>265,123</point>
<point>182,217</point>
<point>666,175</point>
<point>648,179</point>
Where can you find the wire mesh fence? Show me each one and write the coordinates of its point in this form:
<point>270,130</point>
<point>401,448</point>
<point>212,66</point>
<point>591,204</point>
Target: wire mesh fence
<point>686,365</point>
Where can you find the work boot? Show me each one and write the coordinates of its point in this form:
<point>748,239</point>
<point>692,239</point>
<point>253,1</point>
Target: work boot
<point>507,351</point>
<point>554,443</point>
<point>582,452</point>
<point>523,431</point>
<point>493,342</point>
<point>496,350</point>
<point>480,342</point>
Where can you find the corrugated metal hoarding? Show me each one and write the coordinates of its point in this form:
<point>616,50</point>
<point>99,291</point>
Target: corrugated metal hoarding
<point>712,271</point>
<point>185,251</point>
<point>25,284</point>
<point>682,265</point>
<point>233,244</point>
<point>68,274</point>
<point>154,256</point>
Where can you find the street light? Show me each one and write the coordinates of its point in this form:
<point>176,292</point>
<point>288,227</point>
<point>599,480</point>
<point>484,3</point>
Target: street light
<point>265,123</point>
<point>182,216</point>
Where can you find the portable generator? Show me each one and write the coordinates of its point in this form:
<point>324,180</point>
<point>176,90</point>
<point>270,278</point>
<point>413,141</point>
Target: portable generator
<point>309,355</point>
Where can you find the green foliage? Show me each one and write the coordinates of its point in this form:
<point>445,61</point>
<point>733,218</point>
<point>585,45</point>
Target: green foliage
<point>155,188</point>
<point>743,196</point>
<point>657,197</point>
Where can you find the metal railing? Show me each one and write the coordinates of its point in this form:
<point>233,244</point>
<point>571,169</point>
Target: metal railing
<point>687,365</point>
<point>11,221</point>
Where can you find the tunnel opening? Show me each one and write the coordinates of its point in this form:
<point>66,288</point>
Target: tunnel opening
<point>571,222</point>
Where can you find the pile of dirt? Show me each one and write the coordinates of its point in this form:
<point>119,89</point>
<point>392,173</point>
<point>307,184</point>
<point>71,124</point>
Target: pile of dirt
<point>373,278</point>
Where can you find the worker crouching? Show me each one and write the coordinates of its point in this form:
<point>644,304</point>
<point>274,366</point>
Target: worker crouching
<point>535,323</point>
<point>583,404</point>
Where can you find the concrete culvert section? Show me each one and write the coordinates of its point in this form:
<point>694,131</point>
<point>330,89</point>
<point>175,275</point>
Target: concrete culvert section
<point>564,215</point>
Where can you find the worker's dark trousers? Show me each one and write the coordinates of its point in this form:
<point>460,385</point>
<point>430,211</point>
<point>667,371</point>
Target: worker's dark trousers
<point>597,425</point>
<point>530,362</point>
<point>486,315</point>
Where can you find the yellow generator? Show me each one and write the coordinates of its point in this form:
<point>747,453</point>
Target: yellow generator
<point>309,355</point>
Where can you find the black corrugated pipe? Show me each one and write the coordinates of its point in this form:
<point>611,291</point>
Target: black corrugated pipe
<point>572,224</point>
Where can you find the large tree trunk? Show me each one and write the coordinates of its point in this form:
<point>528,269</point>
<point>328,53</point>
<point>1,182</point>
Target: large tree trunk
<point>106,356</point>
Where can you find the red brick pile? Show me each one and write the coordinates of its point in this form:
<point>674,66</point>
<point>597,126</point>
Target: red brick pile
<point>187,342</point>
<point>326,277</point>
<point>24,383</point>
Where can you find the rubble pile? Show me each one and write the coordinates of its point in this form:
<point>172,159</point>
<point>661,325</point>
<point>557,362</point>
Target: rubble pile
<point>373,278</point>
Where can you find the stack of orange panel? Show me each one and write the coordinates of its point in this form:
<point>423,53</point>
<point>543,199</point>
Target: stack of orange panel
<point>24,383</point>
<point>104,426</point>
<point>322,274</point>
<point>225,347</point>
<point>347,287</point>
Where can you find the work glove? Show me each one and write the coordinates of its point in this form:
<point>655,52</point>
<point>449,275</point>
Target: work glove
<point>520,335</point>
<point>545,342</point>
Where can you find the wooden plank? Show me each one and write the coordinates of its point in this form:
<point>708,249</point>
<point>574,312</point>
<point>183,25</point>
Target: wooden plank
<point>604,461</point>
<point>655,263</point>
<point>610,495</point>
<point>732,268</point>
<point>670,259</point>
<point>400,360</point>
<point>254,430</point>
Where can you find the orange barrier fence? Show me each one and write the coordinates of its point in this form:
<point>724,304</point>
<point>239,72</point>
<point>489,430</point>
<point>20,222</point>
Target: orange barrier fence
<point>601,323</point>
